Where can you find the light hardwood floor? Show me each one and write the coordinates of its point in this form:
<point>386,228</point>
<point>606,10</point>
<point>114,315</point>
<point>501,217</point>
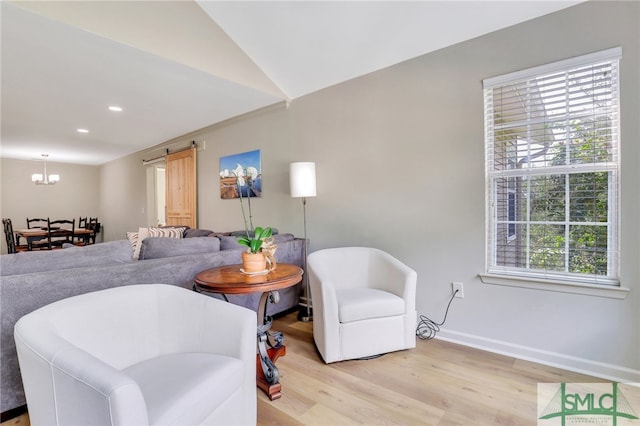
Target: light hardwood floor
<point>438,383</point>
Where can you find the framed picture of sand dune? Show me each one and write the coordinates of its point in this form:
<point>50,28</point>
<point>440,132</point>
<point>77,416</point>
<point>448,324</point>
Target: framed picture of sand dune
<point>241,174</point>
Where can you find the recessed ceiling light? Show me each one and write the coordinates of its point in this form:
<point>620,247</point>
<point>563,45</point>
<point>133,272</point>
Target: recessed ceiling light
<point>115,108</point>
<point>82,130</point>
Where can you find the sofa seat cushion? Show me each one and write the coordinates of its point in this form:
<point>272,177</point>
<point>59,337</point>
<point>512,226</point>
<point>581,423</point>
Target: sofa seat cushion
<point>189,387</point>
<point>357,304</point>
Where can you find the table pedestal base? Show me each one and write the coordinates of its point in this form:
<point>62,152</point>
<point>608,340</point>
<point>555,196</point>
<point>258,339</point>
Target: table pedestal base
<point>267,375</point>
<point>229,279</point>
<point>273,391</point>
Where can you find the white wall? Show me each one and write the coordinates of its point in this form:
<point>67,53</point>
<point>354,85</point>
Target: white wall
<point>75,195</point>
<point>400,166</point>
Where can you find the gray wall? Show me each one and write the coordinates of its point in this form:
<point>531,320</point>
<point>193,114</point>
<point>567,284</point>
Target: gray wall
<point>75,195</point>
<point>123,197</point>
<point>400,166</point>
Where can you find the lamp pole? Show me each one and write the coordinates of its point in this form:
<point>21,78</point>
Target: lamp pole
<point>308,317</point>
<point>302,180</point>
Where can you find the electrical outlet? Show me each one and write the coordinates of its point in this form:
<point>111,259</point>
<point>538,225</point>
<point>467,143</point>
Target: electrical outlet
<point>458,286</point>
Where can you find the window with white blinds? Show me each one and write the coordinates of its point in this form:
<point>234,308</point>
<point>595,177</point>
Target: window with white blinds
<point>552,160</point>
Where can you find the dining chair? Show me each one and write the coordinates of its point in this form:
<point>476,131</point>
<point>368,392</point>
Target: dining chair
<point>37,223</point>
<point>80,240</point>
<point>82,222</point>
<point>42,243</point>
<point>94,225</point>
<point>61,231</point>
<point>12,246</point>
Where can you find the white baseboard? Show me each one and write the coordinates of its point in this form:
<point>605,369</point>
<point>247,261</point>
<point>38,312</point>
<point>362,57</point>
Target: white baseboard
<point>552,359</point>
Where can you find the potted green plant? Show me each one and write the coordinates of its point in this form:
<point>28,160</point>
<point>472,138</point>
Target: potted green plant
<point>253,259</point>
<point>254,242</point>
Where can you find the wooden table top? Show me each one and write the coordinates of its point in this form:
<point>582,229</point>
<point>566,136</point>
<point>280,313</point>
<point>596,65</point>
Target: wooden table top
<point>37,232</point>
<point>230,280</point>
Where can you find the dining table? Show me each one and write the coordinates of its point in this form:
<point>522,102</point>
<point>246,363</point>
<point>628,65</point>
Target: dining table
<point>36,234</point>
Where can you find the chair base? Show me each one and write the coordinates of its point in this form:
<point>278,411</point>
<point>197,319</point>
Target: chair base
<point>367,358</point>
<point>305,316</point>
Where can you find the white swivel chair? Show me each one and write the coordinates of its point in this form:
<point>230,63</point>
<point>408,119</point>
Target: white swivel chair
<point>149,354</point>
<point>363,303</point>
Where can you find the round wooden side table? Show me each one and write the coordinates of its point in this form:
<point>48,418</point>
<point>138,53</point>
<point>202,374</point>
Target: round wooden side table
<point>229,279</point>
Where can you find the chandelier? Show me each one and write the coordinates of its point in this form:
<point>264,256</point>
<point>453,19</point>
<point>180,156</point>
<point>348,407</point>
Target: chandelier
<point>43,178</point>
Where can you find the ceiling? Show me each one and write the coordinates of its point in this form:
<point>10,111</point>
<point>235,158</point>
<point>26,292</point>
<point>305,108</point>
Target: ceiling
<point>179,66</point>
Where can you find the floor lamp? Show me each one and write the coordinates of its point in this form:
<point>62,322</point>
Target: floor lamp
<point>302,182</point>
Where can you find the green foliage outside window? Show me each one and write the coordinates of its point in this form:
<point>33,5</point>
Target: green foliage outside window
<point>578,198</point>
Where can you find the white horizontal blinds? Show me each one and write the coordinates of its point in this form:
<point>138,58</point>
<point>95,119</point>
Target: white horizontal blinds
<point>551,137</point>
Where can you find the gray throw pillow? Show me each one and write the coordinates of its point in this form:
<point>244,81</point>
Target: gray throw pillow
<point>228,242</point>
<point>158,247</point>
<point>191,233</point>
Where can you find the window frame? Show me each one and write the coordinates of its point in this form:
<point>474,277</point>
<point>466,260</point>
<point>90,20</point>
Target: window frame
<point>511,210</point>
<point>608,286</point>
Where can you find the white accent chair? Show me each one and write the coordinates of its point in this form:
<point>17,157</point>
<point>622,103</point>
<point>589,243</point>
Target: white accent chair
<point>363,303</point>
<point>149,354</point>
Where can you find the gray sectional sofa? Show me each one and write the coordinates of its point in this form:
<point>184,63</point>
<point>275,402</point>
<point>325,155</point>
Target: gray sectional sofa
<point>34,279</point>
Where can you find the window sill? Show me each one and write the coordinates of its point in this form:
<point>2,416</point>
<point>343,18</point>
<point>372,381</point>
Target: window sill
<point>613,292</point>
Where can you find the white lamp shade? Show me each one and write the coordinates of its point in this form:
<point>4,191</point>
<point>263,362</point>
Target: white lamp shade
<point>54,178</point>
<point>302,179</point>
<point>36,177</point>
